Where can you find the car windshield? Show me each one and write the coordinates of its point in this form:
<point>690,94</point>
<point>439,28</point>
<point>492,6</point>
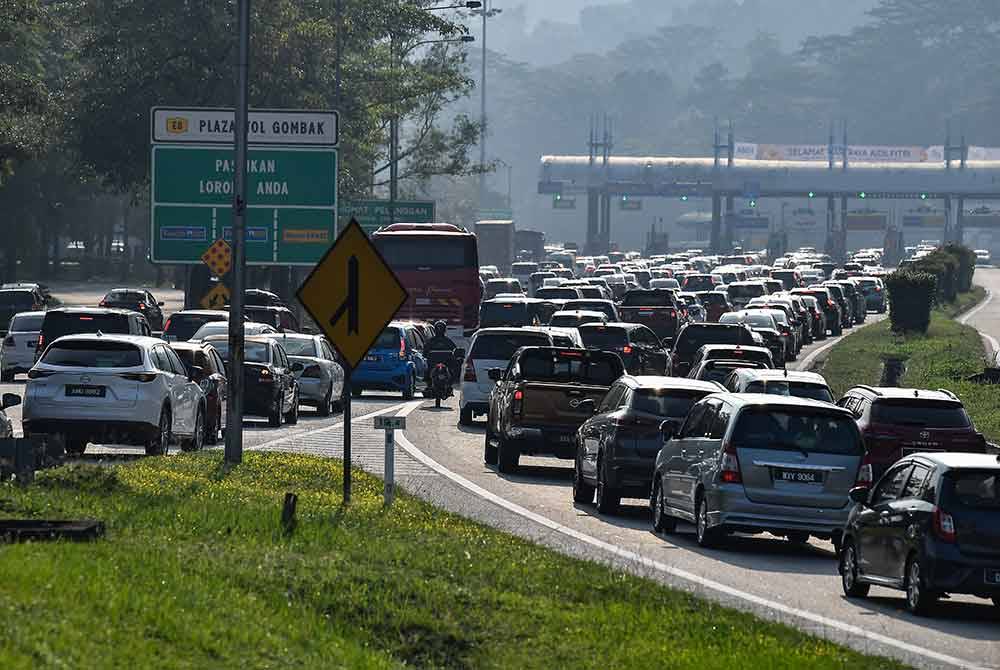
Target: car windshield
<point>27,323</point>
<point>501,346</point>
<point>914,412</point>
<point>495,314</point>
<point>93,354</point>
<point>299,346</point>
<point>603,338</point>
<point>794,389</point>
<point>652,298</point>
<point>559,365</point>
<point>973,488</point>
<point>666,403</point>
<point>257,352</point>
<point>805,430</point>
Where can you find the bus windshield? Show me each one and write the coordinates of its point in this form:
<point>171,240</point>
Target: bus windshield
<point>434,252</point>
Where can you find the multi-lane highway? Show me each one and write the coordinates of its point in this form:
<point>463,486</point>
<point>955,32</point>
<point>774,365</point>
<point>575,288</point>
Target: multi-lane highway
<point>443,462</point>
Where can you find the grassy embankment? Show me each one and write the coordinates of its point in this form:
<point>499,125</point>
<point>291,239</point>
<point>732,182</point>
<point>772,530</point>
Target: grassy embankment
<point>943,358</point>
<point>195,572</point>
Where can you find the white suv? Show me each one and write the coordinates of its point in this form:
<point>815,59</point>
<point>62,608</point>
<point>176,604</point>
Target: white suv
<point>491,348</point>
<point>119,389</point>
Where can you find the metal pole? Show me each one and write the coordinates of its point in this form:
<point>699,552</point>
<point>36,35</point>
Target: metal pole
<point>390,466</point>
<point>347,437</point>
<point>393,138</point>
<point>339,19</point>
<point>482,115</point>
<point>234,428</point>
<point>510,170</point>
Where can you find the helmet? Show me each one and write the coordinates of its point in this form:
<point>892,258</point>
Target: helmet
<point>440,328</point>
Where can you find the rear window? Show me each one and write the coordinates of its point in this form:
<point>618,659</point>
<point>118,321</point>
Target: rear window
<point>557,293</point>
<point>787,429</point>
<point>737,354</point>
<point>257,352</point>
<point>183,326</point>
<point>498,347</point>
<point>495,314</point>
<point>920,413</point>
<point>57,324</point>
<point>555,365</point>
<point>300,346</point>
<point>91,354</point>
<point>16,300</point>
<point>712,298</point>
<point>665,402</point>
<point>718,371</point>
<point>745,290</point>
<point>603,338</point>
<point>27,322</point>
<point>222,346</point>
<point>263,316</point>
<point>660,298</point>
<point>389,339</point>
<point>972,488</point>
<point>130,297</point>
<point>793,389</point>
<point>694,336</point>
<point>413,251</point>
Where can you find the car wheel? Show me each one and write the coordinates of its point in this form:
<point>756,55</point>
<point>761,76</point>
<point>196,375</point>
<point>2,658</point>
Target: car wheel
<point>6,377</point>
<point>706,535</point>
<point>465,417</point>
<point>582,491</point>
<point>197,439</point>
<point>274,416</point>
<point>919,599</point>
<point>411,388</point>
<point>75,446</point>
<point>797,537</point>
<point>853,588</point>
<point>608,497</point>
<point>508,455</point>
<point>662,521</point>
<point>489,449</point>
<point>292,417</point>
<point>326,404</point>
<point>159,444</point>
<point>212,428</point>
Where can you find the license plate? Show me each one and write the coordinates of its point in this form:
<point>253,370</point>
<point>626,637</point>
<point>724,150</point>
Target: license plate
<point>80,391</point>
<point>797,476</point>
<point>373,359</point>
<point>993,577</point>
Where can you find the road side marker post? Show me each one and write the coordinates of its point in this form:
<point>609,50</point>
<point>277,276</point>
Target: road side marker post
<point>390,424</point>
<point>352,294</point>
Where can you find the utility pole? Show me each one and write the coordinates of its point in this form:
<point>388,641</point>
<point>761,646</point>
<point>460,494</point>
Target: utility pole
<point>486,12</point>
<point>234,428</point>
<point>393,137</point>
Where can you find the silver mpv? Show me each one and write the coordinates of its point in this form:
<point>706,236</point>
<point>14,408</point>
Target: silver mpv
<point>753,463</point>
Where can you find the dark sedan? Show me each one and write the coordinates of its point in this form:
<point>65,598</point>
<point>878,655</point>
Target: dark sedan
<point>638,347</point>
<point>617,446</point>
<point>138,300</point>
<point>207,369</point>
<point>270,387</point>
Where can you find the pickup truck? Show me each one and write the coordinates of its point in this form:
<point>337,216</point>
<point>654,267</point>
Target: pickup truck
<point>538,402</point>
<point>657,309</point>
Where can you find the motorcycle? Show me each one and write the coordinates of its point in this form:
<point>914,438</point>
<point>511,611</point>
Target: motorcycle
<point>441,376</point>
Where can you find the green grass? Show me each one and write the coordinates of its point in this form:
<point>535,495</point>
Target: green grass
<point>196,573</point>
<point>943,358</point>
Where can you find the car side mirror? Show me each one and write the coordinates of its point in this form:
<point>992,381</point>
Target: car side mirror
<point>160,304</point>
<point>460,354</point>
<point>297,367</point>
<point>196,373</point>
<point>859,494</point>
<point>668,429</point>
<point>11,400</point>
<point>588,405</point>
<point>495,374</point>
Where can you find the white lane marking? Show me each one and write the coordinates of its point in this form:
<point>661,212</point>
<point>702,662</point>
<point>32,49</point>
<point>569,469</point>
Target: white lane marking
<point>994,345</point>
<point>326,429</point>
<point>676,572</point>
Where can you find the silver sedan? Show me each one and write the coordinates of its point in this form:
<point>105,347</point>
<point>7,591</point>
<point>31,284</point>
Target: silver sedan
<point>321,380</point>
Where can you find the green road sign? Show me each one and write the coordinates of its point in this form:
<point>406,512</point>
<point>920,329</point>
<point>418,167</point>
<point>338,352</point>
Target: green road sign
<point>291,196</point>
<point>373,214</point>
<point>495,214</point>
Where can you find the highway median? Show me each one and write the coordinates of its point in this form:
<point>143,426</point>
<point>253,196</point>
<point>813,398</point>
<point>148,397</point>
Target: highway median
<point>197,570</point>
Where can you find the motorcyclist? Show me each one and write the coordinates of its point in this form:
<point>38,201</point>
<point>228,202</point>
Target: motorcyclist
<point>439,343</point>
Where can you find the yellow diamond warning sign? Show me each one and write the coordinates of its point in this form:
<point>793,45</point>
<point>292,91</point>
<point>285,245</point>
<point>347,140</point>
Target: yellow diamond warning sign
<point>217,298</point>
<point>218,258</point>
<point>352,294</point>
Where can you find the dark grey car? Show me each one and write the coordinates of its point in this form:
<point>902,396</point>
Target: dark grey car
<point>758,463</point>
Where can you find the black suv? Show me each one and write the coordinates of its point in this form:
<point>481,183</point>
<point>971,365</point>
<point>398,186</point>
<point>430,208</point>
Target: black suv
<point>928,528</point>
<point>138,300</point>
<point>637,345</point>
<point>17,300</point>
<point>897,422</point>
<point>85,320</point>
<point>693,336</point>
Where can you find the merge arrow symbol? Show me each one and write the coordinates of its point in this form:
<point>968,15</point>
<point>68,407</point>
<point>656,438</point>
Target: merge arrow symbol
<point>350,304</point>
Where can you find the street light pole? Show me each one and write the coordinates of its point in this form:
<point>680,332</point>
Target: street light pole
<point>486,13</point>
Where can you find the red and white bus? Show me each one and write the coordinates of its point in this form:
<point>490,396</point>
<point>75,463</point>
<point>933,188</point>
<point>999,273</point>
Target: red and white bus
<point>438,264</point>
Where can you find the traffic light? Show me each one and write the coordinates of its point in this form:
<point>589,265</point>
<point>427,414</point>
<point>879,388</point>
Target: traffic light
<point>862,195</point>
<point>753,203</point>
<point>684,198</point>
<point>812,194</point>
<point>923,196</point>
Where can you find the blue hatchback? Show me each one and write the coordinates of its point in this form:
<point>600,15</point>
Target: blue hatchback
<point>394,363</point>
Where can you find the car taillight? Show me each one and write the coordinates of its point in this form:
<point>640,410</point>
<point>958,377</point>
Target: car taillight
<point>470,371</point>
<point>142,306</point>
<point>785,331</point>
<point>730,465</point>
<point>878,290</point>
<point>312,372</point>
<point>830,303</point>
<point>166,326</point>
<point>39,374</point>
<point>9,341</point>
<point>944,525</point>
<point>518,405</point>
<point>673,313</point>
<point>139,376</point>
<point>103,303</point>
<point>265,375</point>
<point>40,345</point>
<point>626,349</point>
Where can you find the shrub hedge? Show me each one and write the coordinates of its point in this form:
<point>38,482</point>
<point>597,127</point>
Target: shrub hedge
<point>911,297</point>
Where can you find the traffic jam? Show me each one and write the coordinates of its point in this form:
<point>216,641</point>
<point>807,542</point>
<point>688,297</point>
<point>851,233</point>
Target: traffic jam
<point>667,381</point>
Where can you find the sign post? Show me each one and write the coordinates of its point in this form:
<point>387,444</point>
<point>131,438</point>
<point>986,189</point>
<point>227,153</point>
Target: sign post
<point>352,294</point>
<point>390,424</point>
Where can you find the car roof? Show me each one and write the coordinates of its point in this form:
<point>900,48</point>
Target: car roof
<point>190,346</point>
<point>958,459</point>
<point>501,330</point>
<point>269,308</point>
<point>202,312</point>
<point>291,336</point>
<point>25,289</point>
<point>783,375</point>
<point>90,310</point>
<point>742,347</point>
<point>613,324</point>
<point>653,381</point>
<point>128,290</point>
<point>894,393</point>
<point>778,401</point>
<point>579,312</point>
